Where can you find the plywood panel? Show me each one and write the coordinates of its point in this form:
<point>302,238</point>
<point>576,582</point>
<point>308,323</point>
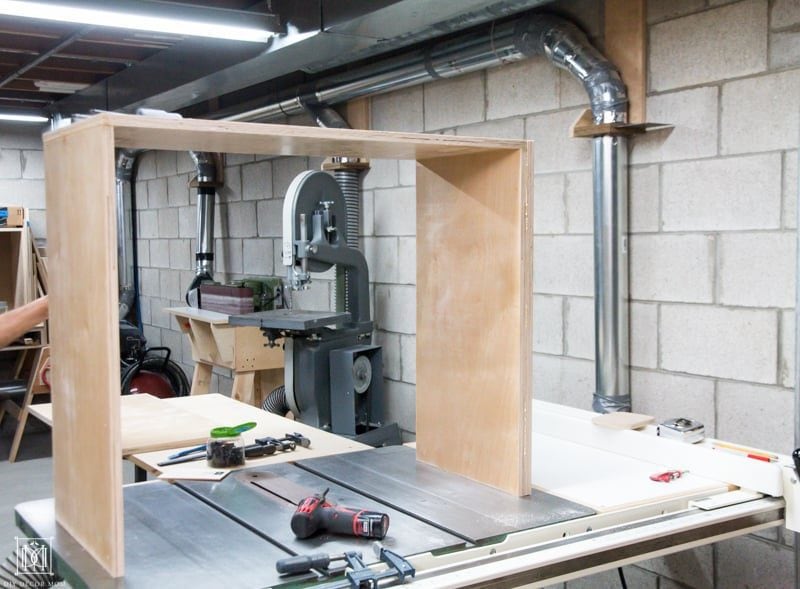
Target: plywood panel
<point>626,48</point>
<point>230,137</point>
<point>85,343</point>
<point>474,264</point>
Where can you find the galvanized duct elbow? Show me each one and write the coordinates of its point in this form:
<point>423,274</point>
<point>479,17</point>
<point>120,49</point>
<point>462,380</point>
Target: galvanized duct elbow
<point>567,47</point>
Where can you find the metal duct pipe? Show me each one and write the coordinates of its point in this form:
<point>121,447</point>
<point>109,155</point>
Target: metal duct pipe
<point>612,379</point>
<point>126,158</point>
<point>206,180</point>
<point>532,34</point>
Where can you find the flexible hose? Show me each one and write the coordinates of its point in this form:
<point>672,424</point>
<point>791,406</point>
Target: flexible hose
<point>276,402</point>
<point>164,366</point>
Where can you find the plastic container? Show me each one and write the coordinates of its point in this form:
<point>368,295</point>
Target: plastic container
<point>225,451</point>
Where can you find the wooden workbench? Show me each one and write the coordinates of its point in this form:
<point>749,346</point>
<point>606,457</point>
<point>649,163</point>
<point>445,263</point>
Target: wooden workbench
<point>257,368</point>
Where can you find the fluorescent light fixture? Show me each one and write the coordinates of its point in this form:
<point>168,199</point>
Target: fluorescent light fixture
<point>134,20</point>
<point>59,87</point>
<point>23,118</point>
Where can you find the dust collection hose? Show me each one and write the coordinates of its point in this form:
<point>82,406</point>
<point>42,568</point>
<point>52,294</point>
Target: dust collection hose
<point>276,402</point>
<point>160,365</point>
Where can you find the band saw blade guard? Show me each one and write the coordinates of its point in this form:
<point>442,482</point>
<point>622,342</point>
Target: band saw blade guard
<point>333,373</point>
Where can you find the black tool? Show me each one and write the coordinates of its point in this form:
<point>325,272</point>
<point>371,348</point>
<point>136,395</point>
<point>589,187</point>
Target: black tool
<point>298,439</point>
<point>359,575</point>
<point>262,447</point>
<point>314,514</point>
<point>304,563</point>
<point>287,443</point>
<point>796,458</point>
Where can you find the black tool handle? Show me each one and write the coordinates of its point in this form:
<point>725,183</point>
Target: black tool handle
<point>302,563</point>
<point>355,522</point>
<point>256,450</point>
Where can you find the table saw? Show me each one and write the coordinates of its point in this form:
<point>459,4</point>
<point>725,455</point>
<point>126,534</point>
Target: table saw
<point>593,507</point>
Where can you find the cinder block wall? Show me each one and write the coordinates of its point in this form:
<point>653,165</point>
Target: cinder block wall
<point>22,172</point>
<point>712,248</point>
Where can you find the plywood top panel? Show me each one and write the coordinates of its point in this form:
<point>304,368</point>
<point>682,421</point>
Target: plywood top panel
<point>232,137</point>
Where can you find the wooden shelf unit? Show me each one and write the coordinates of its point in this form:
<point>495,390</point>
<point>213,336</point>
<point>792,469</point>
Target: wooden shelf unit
<point>474,218</point>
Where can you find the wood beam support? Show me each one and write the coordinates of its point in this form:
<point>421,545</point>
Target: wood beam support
<point>626,48</point>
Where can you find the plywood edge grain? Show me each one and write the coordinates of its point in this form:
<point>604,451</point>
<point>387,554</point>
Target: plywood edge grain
<point>526,315</point>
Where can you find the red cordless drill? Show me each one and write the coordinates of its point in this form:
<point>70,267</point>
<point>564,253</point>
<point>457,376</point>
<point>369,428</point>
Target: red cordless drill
<point>314,514</point>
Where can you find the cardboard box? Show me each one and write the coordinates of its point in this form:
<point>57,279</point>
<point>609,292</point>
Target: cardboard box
<point>12,216</point>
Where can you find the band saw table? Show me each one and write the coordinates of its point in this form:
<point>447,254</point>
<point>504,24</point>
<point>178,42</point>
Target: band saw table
<point>593,507</point>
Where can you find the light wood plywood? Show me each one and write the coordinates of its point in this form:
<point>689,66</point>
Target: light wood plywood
<point>81,227</point>
<point>474,264</point>
<point>626,47</point>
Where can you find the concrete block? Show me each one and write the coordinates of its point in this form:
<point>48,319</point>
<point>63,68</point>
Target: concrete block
<point>172,340</point>
<point>149,282</point>
<point>166,163</point>
<point>396,211</point>
<point>634,577</point>
<point>38,222</point>
<point>524,87</point>
<point>672,268</point>
<point>157,196</point>
<point>504,129</point>
<point>270,218</point>
<point>740,344</point>
<point>396,308</point>
<point>644,199</point>
<point>148,224</point>
<point>580,203</point>
<point>786,367</point>
<point>571,91</point>
<point>26,193</point>
<point>187,222</point>
<point>233,185</point>
<point>784,49</point>
<point>756,416</point>
<point>152,334</point>
<point>10,164</point>
<point>722,194</point>
<point>567,381</point>
<point>257,181</point>
<point>242,219</point>
<point>144,252</point>
<point>757,269</point>
<point>664,396</point>
<point>790,188</point>
<point>407,260</point>
<point>454,102</point>
<point>257,257</point>
<point>146,166</point>
<point>170,284</point>
<point>15,136</point>
<point>228,256</point>
<point>549,209</point>
<point>178,190</point>
<point>280,269</point>
<point>644,335</point>
<point>180,254</point>
<point>284,170</point>
<point>33,164</point>
<point>381,174</point>
<point>554,149</point>
<point>756,116</point>
<point>390,342</point>
<point>784,13</point>
<point>548,324</point>
<point>579,327</point>
<point>141,193</point>
<point>658,10</point>
<point>694,567</point>
<point>693,114</point>
<point>400,399</point>
<point>237,159</point>
<point>407,172</point>
<point>144,309</point>
<point>398,111</point>
<point>563,264</point>
<point>381,254</point>
<point>167,223</point>
<point>160,317</point>
<point>159,253</point>
<point>367,213</point>
<point>220,219</point>
<point>408,358</point>
<point>698,49</point>
<point>747,562</point>
<point>184,163</point>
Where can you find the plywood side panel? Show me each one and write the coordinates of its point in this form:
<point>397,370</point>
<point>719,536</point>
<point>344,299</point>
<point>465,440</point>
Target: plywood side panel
<point>232,137</point>
<point>84,323</point>
<point>626,48</point>
<point>474,267</point>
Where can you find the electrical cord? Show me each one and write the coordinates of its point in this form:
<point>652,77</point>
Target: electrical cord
<point>622,582</point>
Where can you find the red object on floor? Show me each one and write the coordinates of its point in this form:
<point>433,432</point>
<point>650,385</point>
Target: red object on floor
<point>151,383</point>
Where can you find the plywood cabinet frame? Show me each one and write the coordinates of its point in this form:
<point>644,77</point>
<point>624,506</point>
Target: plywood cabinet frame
<point>474,266</point>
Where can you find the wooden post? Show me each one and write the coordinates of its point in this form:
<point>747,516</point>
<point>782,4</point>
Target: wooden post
<point>626,48</point>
